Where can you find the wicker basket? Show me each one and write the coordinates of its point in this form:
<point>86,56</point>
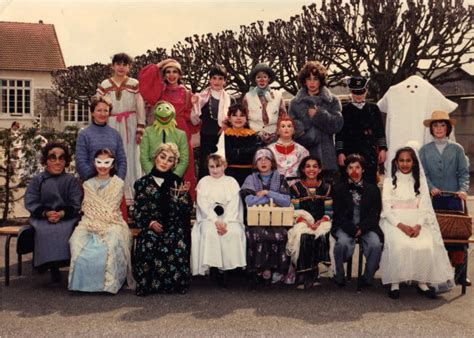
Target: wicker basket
<point>455,225</point>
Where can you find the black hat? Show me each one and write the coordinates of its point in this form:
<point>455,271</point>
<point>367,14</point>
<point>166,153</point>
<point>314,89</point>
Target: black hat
<point>357,84</point>
<point>262,67</point>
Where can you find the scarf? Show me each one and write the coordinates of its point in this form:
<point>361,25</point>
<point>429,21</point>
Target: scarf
<point>204,97</point>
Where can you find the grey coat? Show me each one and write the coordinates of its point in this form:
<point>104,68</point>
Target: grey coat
<point>48,192</point>
<point>448,171</point>
<point>317,133</point>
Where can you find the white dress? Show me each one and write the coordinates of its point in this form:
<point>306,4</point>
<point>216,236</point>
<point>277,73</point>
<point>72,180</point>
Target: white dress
<point>424,258</point>
<point>127,112</point>
<point>208,249</point>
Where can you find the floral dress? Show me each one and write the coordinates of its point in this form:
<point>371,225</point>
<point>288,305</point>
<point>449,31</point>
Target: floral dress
<point>266,246</point>
<point>161,260</point>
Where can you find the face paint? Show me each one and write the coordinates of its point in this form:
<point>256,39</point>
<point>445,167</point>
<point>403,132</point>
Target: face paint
<point>355,175</point>
<point>107,163</point>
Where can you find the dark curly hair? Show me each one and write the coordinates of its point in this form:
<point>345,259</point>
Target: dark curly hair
<point>233,109</point>
<point>47,148</point>
<point>301,173</point>
<point>312,68</point>
<point>415,170</point>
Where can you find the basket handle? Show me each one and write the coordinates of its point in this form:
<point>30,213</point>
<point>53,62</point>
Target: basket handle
<point>454,194</point>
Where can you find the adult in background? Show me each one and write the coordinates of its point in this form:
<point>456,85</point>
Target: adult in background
<point>446,167</point>
<point>317,115</point>
<point>357,207</point>
<point>53,199</point>
<point>363,131</point>
<point>264,104</point>
<point>163,81</point>
<point>96,136</point>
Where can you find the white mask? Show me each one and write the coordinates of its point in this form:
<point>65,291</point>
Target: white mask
<point>107,163</point>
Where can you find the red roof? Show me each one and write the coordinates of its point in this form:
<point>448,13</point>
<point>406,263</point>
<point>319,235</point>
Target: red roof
<point>29,46</point>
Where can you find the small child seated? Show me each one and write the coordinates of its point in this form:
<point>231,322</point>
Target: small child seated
<point>218,238</point>
<point>266,246</point>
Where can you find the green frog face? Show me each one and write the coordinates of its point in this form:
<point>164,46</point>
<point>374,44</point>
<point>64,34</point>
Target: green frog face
<point>164,113</point>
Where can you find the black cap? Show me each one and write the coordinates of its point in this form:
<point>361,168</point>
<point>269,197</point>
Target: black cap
<point>357,84</point>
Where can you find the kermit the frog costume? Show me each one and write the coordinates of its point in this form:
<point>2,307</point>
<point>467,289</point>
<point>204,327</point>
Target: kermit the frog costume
<point>164,130</point>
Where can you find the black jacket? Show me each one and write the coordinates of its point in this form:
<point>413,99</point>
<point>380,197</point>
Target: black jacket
<point>370,208</point>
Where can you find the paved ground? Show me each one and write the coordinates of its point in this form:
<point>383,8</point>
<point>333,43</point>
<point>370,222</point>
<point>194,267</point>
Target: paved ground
<point>31,306</point>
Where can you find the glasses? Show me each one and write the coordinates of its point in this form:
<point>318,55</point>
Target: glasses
<point>53,157</point>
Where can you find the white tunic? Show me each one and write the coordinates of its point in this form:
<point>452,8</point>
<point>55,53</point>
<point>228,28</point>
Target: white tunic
<point>407,104</point>
<point>127,111</point>
<point>424,258</point>
<point>208,249</point>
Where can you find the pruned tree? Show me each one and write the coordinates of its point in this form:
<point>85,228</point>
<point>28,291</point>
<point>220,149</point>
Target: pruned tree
<point>239,52</point>
<point>151,56</point>
<point>391,40</point>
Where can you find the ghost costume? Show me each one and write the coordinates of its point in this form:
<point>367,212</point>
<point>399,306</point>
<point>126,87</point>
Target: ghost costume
<point>407,104</point>
<point>208,248</point>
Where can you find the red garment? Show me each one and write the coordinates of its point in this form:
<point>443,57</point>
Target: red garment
<point>153,89</point>
<point>285,149</point>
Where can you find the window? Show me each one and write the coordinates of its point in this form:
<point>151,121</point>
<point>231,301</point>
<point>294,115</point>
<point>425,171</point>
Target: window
<point>76,111</point>
<point>15,97</point>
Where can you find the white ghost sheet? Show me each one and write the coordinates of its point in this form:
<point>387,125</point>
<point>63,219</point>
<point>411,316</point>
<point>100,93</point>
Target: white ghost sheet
<point>407,104</point>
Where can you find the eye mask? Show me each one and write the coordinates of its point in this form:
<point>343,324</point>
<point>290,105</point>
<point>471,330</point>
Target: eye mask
<point>107,163</point>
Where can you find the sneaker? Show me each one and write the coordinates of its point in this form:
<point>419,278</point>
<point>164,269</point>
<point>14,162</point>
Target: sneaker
<point>290,277</point>
<point>277,277</point>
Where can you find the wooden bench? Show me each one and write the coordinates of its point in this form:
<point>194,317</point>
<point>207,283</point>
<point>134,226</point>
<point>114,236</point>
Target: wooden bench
<point>465,244</point>
<point>9,232</point>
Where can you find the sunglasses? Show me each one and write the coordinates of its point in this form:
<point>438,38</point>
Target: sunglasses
<point>53,157</point>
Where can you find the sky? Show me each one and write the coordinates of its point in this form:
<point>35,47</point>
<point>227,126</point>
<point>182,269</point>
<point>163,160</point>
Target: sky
<point>92,31</point>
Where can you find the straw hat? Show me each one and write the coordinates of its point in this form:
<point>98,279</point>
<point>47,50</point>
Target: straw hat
<point>439,115</point>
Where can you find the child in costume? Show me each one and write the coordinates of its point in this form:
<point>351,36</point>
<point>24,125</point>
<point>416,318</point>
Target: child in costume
<point>218,238</point>
<point>128,116</point>
<point>266,253</point>
<point>264,104</point>
<point>100,244</point>
<point>363,132</point>
<point>163,130</point>
<point>211,111</point>
<point>163,81</point>
<point>308,242</point>
<point>238,144</point>
<point>288,154</point>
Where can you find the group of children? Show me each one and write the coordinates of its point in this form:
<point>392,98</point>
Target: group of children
<point>251,153</point>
